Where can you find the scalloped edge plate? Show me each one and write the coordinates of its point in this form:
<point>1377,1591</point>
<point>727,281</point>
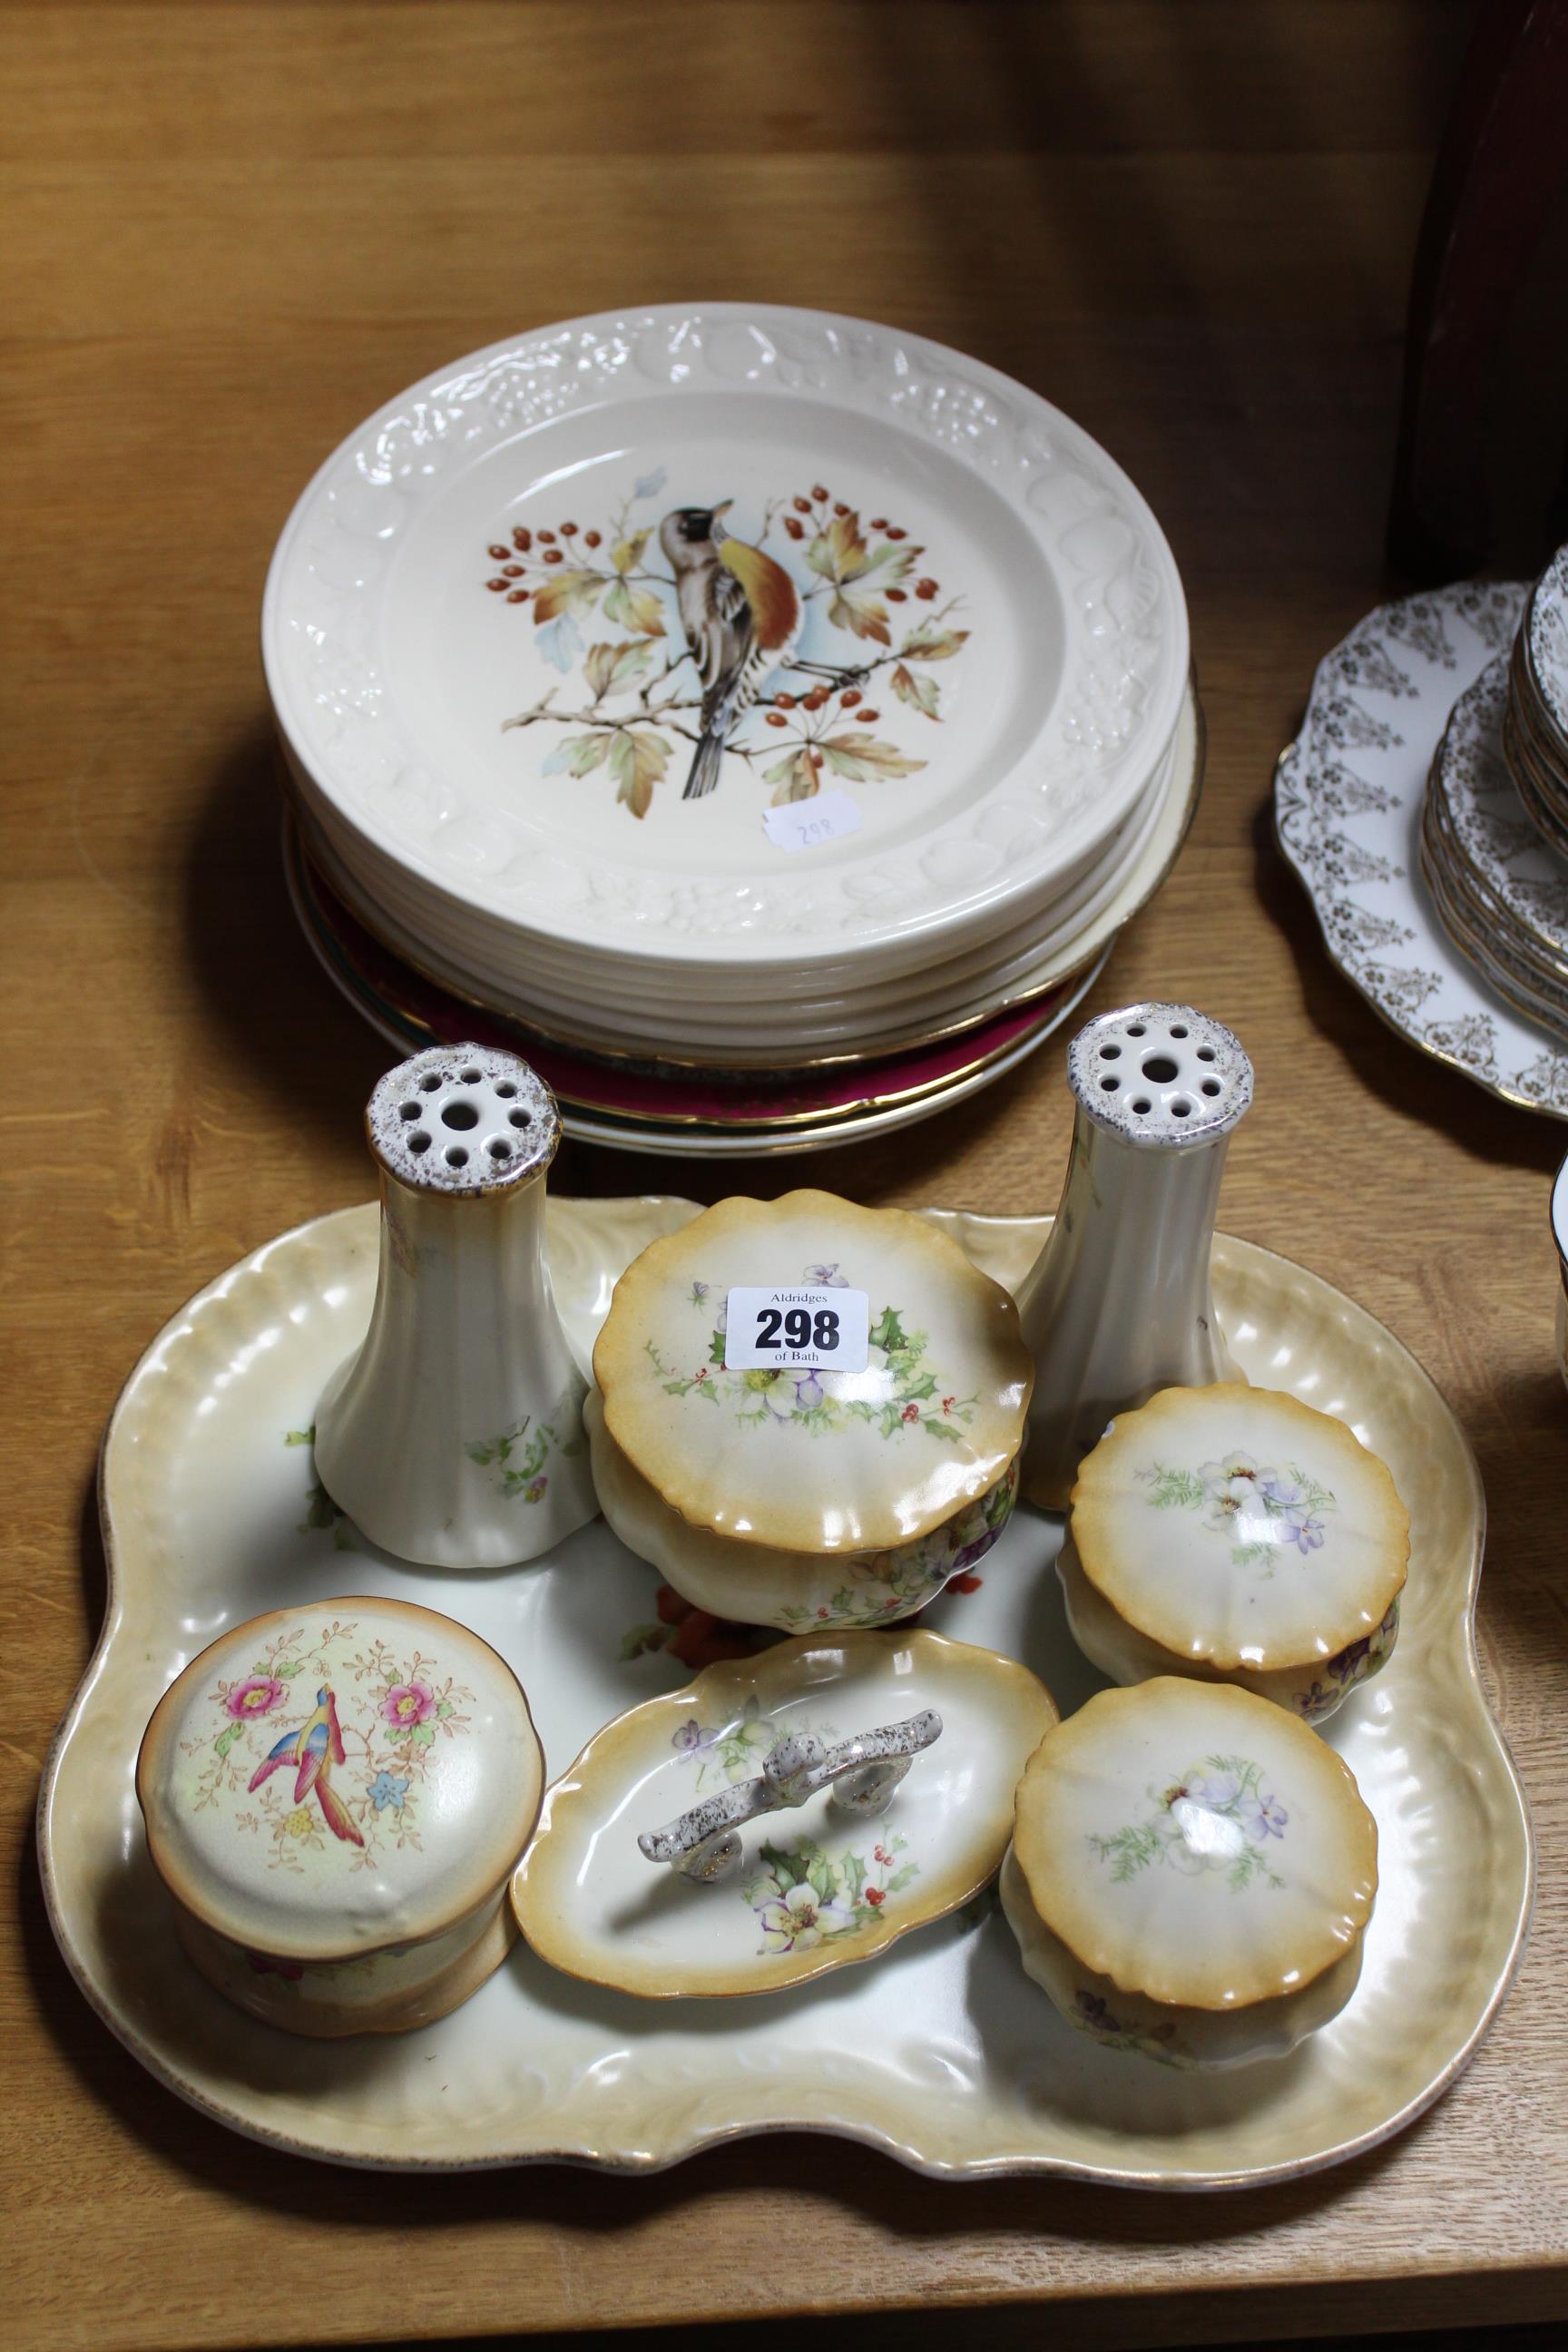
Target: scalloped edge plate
<point>1349,794</point>
<point>1052,518</point>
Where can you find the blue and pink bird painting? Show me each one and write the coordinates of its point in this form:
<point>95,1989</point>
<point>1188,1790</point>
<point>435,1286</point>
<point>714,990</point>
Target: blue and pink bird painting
<point>313,1750</point>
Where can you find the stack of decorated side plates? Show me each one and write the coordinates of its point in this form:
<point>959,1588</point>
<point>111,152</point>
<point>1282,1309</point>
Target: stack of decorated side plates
<point>735,704</point>
<point>1535,723</point>
<point>1494,843</point>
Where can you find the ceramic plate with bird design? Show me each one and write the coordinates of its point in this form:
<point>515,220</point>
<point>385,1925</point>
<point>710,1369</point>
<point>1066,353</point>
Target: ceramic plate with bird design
<point>726,637</point>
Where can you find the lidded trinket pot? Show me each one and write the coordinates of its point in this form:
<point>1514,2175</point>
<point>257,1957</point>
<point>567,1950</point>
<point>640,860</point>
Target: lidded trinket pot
<point>1238,1535</point>
<point>1191,1873</point>
<point>335,1796</point>
<point>455,1437</point>
<point>813,1495</point>
<point>1118,1303</point>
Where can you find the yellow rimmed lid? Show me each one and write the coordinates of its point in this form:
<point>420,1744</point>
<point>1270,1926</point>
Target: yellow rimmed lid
<point>328,1780</point>
<point>1239,1527</point>
<point>819,1460</point>
<point>1195,1843</point>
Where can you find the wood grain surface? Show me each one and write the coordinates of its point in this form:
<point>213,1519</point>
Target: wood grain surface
<point>231,232</point>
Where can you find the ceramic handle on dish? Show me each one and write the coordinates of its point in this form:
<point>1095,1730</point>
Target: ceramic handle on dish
<point>704,1843</point>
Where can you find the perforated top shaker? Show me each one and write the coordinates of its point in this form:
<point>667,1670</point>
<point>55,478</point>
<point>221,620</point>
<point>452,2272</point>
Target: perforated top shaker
<point>455,1436</point>
<point>1118,1303</point>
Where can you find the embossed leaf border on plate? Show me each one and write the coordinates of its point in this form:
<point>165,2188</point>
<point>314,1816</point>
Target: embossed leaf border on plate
<point>1126,615</point>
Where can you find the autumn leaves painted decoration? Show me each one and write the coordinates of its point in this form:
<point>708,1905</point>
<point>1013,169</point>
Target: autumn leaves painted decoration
<point>789,652</point>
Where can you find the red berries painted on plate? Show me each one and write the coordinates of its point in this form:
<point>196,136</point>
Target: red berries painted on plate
<point>777,718</point>
<point>495,586</point>
<point>590,539</point>
<point>850,697</point>
<point>500,554</point>
<point>551,554</point>
<point>521,536</point>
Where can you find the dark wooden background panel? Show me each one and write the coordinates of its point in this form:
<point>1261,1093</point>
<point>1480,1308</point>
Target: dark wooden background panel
<point>230,232</point>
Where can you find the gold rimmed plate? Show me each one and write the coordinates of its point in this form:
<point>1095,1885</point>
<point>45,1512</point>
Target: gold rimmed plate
<point>641,1105</point>
<point>1349,795</point>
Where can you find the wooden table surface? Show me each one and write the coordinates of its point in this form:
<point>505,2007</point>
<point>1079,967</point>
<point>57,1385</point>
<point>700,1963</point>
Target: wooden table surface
<point>232,231</point>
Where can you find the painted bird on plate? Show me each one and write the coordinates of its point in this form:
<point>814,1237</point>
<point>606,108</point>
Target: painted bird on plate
<point>741,617</point>
<point>314,1749</point>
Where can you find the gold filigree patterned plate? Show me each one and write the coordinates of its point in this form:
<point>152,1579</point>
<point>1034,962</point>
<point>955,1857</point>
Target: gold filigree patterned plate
<point>1348,797</point>
<point>940,2052</point>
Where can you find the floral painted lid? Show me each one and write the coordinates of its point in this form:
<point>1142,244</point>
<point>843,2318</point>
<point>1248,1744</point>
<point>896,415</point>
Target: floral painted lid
<point>812,1459</point>
<point>327,1780</point>
<point>1195,1843</point>
<point>1238,1526</point>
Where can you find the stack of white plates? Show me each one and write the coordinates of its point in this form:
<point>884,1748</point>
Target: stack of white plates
<point>733,690</point>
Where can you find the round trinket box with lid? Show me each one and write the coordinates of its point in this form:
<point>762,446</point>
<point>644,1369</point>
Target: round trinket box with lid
<point>1236,1534</point>
<point>335,1796</point>
<point>807,1496</point>
<point>1191,1875</point>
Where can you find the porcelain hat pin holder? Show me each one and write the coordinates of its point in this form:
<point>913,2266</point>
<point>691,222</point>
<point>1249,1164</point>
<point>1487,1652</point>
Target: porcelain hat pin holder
<point>1118,1303</point>
<point>862,1773</point>
<point>454,1437</point>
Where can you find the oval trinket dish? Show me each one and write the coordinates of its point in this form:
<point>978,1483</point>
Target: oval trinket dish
<point>815,1891</point>
<point>809,1497</point>
<point>1191,1873</point>
<point>1236,1534</point>
<point>335,1796</point>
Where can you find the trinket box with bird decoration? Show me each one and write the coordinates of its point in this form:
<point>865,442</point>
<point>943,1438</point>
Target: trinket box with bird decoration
<point>334,1795</point>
